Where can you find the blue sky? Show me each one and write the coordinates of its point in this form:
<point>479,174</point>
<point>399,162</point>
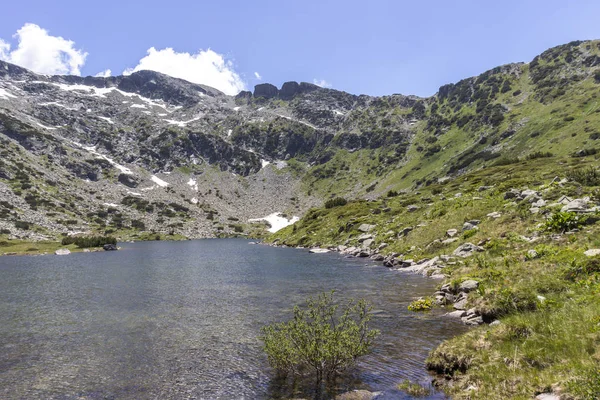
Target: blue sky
<point>376,47</point>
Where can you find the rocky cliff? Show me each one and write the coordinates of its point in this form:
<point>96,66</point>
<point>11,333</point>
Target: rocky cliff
<point>151,153</point>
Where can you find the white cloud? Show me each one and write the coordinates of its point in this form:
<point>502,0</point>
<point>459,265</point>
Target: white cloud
<point>206,67</point>
<point>257,75</point>
<point>43,53</point>
<point>322,82</point>
<point>104,74</point>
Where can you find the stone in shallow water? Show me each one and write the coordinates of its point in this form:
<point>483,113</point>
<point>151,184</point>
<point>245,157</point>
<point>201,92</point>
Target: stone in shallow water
<point>318,251</point>
<point>62,252</point>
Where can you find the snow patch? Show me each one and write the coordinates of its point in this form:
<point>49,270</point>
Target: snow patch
<point>280,164</point>
<point>159,181</point>
<point>50,128</point>
<point>194,200</point>
<point>134,193</point>
<point>5,94</point>
<point>229,132</point>
<point>180,123</point>
<point>111,204</point>
<point>137,106</point>
<point>264,163</point>
<point>110,121</point>
<point>338,112</point>
<point>193,184</point>
<point>92,150</point>
<point>236,108</point>
<point>277,221</point>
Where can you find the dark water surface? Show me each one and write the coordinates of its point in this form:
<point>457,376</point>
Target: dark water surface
<point>173,320</point>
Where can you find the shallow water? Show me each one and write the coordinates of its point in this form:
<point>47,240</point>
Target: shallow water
<point>172,320</point>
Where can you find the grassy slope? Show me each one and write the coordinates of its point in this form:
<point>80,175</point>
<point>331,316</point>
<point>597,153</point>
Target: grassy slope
<point>541,344</point>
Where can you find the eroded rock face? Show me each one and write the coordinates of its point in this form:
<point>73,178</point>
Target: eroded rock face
<point>289,90</point>
<point>266,90</point>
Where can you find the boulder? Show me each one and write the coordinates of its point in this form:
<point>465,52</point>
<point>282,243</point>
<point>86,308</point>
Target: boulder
<point>466,250</point>
<point>451,232</point>
<point>365,227</point>
<point>367,243</point>
<point>460,305</point>
<point>468,286</point>
<point>128,180</point>
<point>317,250</point>
<point>494,215</point>
<point>539,203</point>
<point>592,252</point>
<point>467,226</point>
<point>109,247</point>
<point>512,194</point>
<point>456,314</point>
<point>483,188</point>
<point>531,254</point>
<point>412,208</point>
<point>62,252</point>
<point>364,236</point>
<point>577,205</point>
<point>405,231</point>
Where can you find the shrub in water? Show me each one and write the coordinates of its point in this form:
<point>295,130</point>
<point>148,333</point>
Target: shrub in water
<point>320,339</point>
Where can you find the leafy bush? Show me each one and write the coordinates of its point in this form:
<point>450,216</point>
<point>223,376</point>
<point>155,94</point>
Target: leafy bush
<point>336,202</point>
<point>581,269</point>
<point>88,241</point>
<point>421,304</point>
<point>562,222</point>
<point>320,338</point>
<point>585,176</point>
<point>469,233</point>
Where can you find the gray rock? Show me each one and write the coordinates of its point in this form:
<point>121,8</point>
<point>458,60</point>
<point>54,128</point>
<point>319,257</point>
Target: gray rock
<point>62,252</point>
<point>467,226</point>
<point>547,396</point>
<point>495,323</point>
<point>364,236</point>
<point>475,320</point>
<point>460,305</point>
<point>483,188</point>
<point>494,215</point>
<point>456,314</point>
<point>466,250</point>
<point>368,243</point>
<point>512,194</point>
<point>265,90</point>
<point>577,205</point>
<point>412,208</point>
<point>539,203</point>
<point>317,250</point>
<point>405,231</point>
<point>451,232</point>
<point>468,286</point>
<point>365,227</point>
<point>592,252</point>
<point>382,246</point>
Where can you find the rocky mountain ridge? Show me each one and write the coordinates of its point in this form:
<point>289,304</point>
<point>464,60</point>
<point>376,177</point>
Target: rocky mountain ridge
<point>155,154</point>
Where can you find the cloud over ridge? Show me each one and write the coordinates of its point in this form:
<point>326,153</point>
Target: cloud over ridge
<point>42,53</point>
<point>205,67</point>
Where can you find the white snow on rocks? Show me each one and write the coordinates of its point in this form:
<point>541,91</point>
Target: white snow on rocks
<point>159,181</point>
<point>137,106</point>
<point>180,123</point>
<point>54,103</point>
<point>194,200</point>
<point>236,108</point>
<point>229,132</point>
<point>50,128</point>
<point>111,204</point>
<point>264,163</point>
<point>107,119</point>
<point>92,150</point>
<point>193,184</point>
<point>5,94</point>
<point>276,220</point>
